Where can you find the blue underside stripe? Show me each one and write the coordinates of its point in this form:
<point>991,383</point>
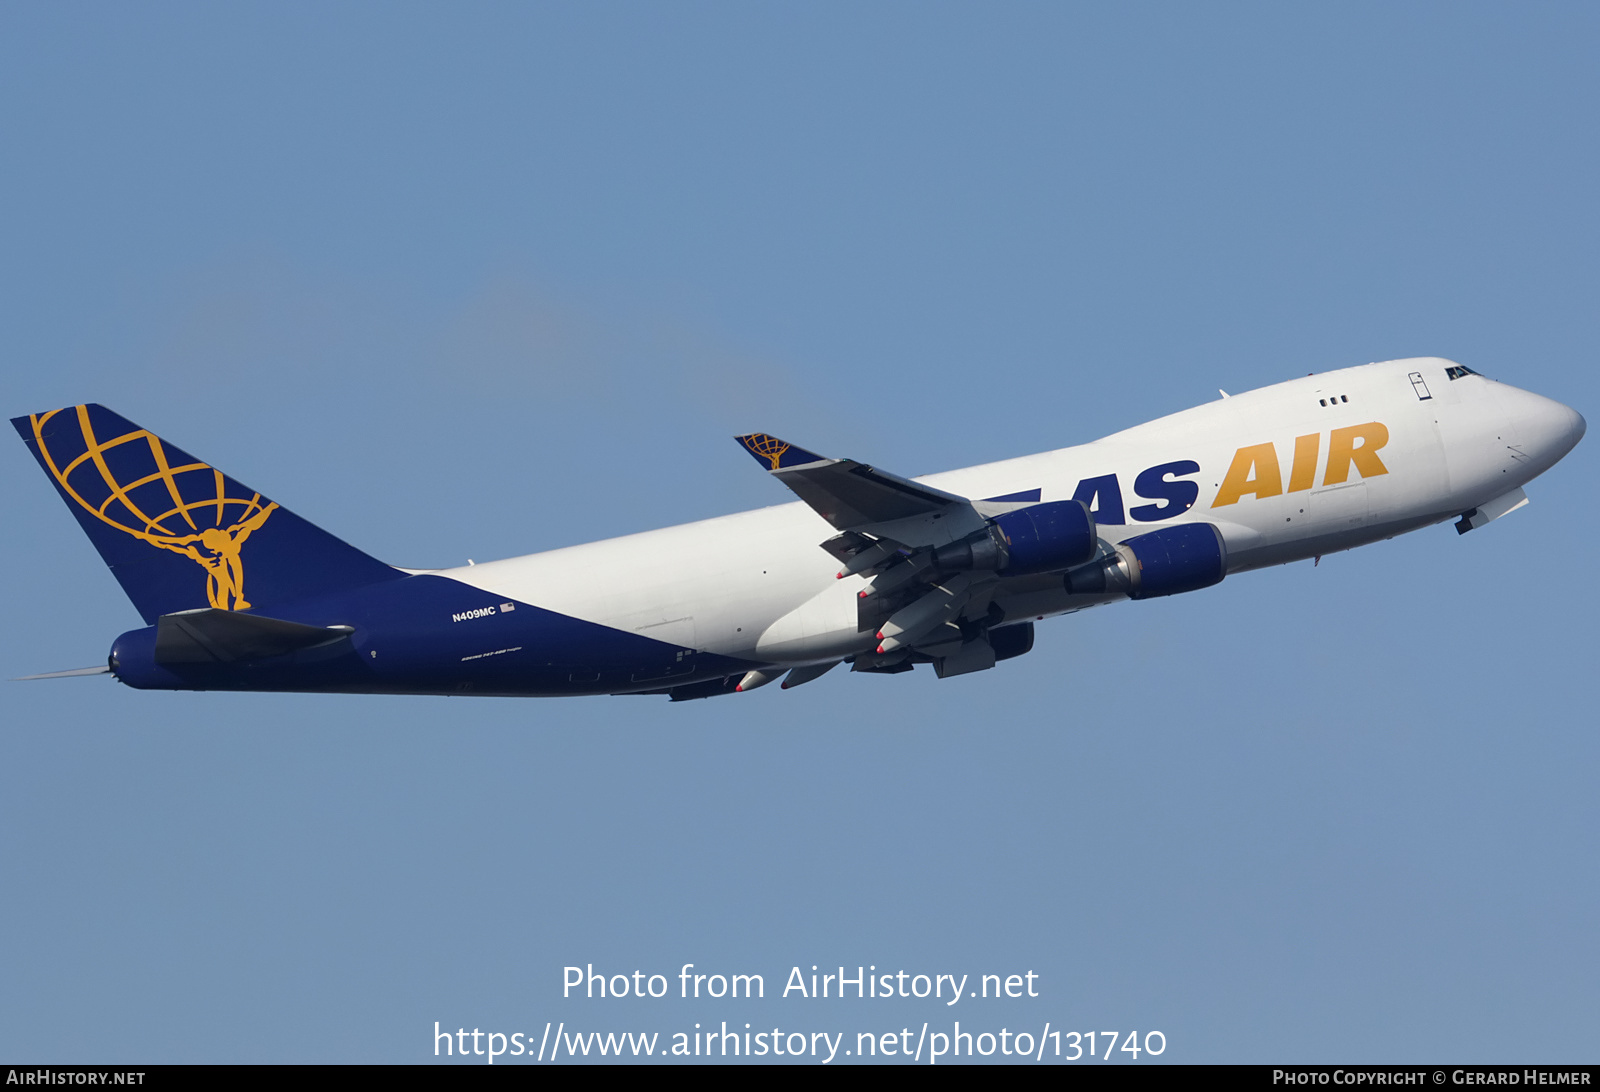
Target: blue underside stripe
<point>429,634</point>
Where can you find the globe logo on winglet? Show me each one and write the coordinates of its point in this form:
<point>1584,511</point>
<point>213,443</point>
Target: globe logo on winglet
<point>129,483</point>
<point>765,447</point>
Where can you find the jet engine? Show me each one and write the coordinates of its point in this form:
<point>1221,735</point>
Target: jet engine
<point>1184,558</point>
<point>1040,538</point>
<point>1012,641</point>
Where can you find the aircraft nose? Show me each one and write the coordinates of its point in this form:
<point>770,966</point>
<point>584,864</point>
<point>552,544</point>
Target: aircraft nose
<point>1548,428</point>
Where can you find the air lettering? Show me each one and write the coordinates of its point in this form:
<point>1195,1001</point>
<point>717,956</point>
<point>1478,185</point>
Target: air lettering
<point>1303,474</point>
<point>1355,446</point>
<point>1254,471</point>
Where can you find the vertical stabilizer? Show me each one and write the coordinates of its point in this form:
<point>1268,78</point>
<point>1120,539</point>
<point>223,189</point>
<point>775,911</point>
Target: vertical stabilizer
<point>177,533</point>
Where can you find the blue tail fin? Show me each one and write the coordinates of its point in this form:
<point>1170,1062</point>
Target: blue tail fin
<point>178,533</point>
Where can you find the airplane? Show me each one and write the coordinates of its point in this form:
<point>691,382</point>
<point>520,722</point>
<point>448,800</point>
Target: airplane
<point>867,568</point>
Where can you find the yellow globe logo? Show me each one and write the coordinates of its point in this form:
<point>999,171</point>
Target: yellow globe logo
<point>767,447</point>
<point>130,483</point>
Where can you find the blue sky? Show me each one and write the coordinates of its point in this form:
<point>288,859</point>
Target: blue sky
<point>478,282</point>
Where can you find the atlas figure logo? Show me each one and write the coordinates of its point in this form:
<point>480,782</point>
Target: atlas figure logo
<point>128,482</point>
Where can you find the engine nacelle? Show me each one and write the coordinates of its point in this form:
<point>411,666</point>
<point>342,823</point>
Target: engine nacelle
<point>1012,641</point>
<point>1178,559</point>
<point>1040,538</point>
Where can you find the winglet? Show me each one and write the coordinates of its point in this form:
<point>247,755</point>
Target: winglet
<point>775,453</point>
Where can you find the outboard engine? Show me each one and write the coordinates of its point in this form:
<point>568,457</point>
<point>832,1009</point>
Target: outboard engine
<point>1040,538</point>
<point>1012,641</point>
<point>1184,558</point>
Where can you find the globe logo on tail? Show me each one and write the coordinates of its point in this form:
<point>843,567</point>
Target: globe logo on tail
<point>129,482</point>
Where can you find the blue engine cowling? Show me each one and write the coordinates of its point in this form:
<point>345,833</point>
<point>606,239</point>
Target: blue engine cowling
<point>1012,641</point>
<point>1047,537</point>
<point>1184,558</point>
<point>1041,538</point>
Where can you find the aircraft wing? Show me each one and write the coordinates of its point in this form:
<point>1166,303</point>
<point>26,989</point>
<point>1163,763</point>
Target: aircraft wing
<point>844,492</point>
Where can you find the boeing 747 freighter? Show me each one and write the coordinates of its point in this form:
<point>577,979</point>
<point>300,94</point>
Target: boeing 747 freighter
<point>868,568</point>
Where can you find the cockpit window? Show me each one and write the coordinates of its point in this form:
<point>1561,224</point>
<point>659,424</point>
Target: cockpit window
<point>1458,371</point>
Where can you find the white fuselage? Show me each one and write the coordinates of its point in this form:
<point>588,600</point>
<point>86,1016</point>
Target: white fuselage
<point>755,585</point>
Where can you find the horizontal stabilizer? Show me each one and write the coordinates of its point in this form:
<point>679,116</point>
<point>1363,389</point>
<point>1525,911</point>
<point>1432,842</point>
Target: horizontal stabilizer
<point>103,669</point>
<point>842,491</point>
<point>210,635</point>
